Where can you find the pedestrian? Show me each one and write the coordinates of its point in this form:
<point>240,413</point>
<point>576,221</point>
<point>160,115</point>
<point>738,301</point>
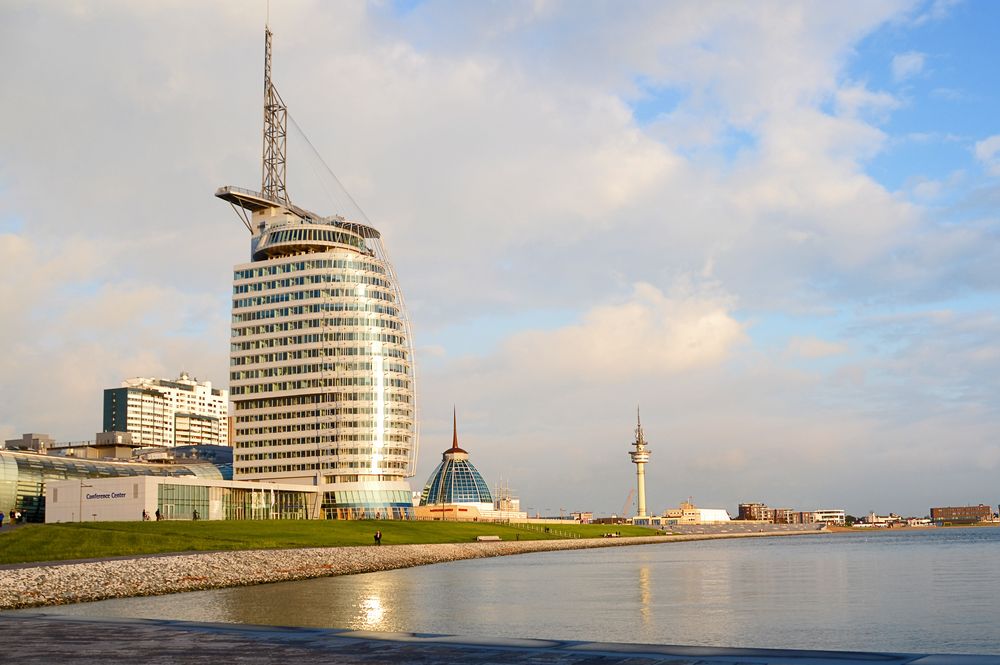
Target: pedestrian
<point>145,516</point>
<point>1,521</point>
<point>195,516</point>
<point>378,537</point>
<point>157,514</point>
<point>17,516</point>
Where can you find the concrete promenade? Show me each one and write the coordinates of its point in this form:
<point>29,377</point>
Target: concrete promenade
<point>40,639</point>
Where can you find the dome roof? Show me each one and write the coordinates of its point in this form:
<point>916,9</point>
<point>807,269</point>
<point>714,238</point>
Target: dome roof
<point>455,480</point>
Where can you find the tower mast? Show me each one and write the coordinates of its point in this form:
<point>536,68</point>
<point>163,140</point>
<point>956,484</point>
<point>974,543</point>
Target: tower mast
<point>275,134</point>
<point>639,457</point>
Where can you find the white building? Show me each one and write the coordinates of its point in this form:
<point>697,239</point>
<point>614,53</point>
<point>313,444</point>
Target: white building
<point>158,412</point>
<point>321,356</point>
<point>130,498</point>
<point>829,516</point>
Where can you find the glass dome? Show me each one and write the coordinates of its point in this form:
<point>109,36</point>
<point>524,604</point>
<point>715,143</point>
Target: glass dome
<point>455,480</point>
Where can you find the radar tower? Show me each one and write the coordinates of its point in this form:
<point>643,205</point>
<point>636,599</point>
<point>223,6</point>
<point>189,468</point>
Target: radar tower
<point>639,457</point>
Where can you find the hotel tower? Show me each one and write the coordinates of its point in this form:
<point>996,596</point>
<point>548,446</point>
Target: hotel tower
<point>321,358</point>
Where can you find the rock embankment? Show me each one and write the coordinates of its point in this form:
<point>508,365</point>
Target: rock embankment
<point>60,584</point>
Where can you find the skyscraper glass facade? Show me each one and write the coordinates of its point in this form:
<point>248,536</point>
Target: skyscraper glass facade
<point>321,365</point>
<point>321,358</point>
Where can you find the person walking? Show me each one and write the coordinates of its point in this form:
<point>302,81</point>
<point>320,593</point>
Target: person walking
<point>378,537</point>
<point>2,516</point>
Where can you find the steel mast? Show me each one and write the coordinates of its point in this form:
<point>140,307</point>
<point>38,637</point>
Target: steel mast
<point>275,134</point>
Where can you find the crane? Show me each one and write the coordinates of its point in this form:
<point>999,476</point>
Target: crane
<point>628,503</point>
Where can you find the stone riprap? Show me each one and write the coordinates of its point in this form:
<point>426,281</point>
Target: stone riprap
<point>62,583</point>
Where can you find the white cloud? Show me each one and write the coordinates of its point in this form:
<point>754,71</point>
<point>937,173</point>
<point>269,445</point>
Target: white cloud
<point>988,153</point>
<point>907,65</point>
<point>494,146</point>
<point>650,334</point>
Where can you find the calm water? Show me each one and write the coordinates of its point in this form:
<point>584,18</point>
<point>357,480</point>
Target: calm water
<point>932,591</point>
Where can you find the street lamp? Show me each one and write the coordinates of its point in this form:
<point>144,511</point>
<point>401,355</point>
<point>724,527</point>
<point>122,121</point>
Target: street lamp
<point>82,485</point>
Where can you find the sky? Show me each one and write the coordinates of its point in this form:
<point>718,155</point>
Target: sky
<point>772,226</point>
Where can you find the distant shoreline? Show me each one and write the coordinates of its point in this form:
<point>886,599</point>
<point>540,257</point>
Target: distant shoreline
<point>28,586</point>
<point>902,529</point>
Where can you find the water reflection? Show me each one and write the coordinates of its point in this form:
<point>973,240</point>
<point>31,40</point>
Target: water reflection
<point>371,614</point>
<point>644,597</point>
<point>891,593</point>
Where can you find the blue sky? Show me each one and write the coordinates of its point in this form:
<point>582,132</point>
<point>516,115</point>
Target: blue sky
<point>772,225</point>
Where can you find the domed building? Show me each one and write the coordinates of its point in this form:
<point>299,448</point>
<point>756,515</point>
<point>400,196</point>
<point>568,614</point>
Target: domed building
<point>456,490</point>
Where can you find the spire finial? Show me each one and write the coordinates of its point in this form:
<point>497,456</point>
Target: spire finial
<point>454,428</point>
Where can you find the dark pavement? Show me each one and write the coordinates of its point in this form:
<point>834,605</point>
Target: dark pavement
<point>30,638</point>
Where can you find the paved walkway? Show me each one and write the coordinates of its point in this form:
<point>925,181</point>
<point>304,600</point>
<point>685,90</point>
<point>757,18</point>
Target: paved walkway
<point>37,639</point>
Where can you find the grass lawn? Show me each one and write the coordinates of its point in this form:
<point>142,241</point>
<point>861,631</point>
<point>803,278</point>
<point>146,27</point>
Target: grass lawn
<point>58,542</point>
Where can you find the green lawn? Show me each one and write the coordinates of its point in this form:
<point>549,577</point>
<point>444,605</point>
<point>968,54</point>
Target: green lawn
<point>57,542</point>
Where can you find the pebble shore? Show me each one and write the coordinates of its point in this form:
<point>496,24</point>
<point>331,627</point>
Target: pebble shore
<point>60,584</point>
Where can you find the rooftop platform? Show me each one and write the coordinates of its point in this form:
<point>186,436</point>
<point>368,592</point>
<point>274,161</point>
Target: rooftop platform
<point>36,638</point>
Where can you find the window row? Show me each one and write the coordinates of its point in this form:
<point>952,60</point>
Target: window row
<point>318,368</point>
<point>311,264</point>
<point>303,354</point>
<point>314,426</point>
<point>332,398</point>
<point>284,468</point>
<point>321,414</point>
<point>312,234</point>
<point>298,454</point>
<point>299,310</point>
<point>307,384</point>
<point>314,294</point>
<point>335,336</point>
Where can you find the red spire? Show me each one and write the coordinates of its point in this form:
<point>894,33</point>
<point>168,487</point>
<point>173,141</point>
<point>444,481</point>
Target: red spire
<point>454,436</point>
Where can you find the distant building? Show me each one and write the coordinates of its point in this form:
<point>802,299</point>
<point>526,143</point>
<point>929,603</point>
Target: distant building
<point>39,443</point>
<point>783,516</point>
<point>828,516</point>
<point>157,412</point>
<point>962,514</point>
<point>880,521</point>
<point>757,512</point>
<point>106,445</point>
<point>688,513</point>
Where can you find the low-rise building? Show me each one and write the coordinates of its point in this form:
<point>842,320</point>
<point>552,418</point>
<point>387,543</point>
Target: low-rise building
<point>757,512</point>
<point>24,477</point>
<point>32,441</point>
<point>962,514</point>
<point>688,513</point>
<point>830,516</point>
<point>134,498</point>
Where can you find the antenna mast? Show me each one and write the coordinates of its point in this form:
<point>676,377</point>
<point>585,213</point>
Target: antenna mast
<point>275,133</point>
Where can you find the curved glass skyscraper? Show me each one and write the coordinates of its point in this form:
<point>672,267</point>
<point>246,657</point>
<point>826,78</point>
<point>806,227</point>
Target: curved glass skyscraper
<point>321,357</point>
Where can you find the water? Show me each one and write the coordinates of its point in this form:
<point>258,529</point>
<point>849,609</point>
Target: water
<point>925,591</point>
